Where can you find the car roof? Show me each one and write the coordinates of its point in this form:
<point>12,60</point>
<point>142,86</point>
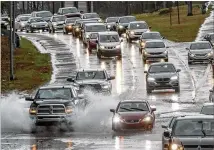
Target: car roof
<point>94,23</point>
<point>161,63</point>
<point>208,104</point>
<point>111,17</point>
<point>200,42</point>
<point>200,116</point>
<point>151,41</point>
<point>73,18</point>
<point>126,16</point>
<point>138,22</point>
<point>151,32</point>
<point>108,33</point>
<point>210,34</point>
<point>56,86</point>
<point>58,16</point>
<point>82,70</point>
<point>41,11</point>
<point>89,13</point>
<point>67,7</point>
<point>134,100</point>
<point>35,17</point>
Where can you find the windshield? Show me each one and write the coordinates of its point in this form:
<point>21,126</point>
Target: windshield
<point>95,28</point>
<point>208,110</point>
<point>71,20</point>
<point>127,19</point>
<point>59,18</point>
<point>36,20</point>
<point>151,36</point>
<point>133,106</point>
<point>69,10</point>
<point>138,26</point>
<point>93,36</point>
<point>193,127</point>
<point>109,38</point>
<point>198,46</point>
<point>24,18</point>
<point>155,45</point>
<point>87,16</point>
<point>91,75</point>
<point>54,93</point>
<point>44,14</point>
<point>162,68</point>
<point>112,19</point>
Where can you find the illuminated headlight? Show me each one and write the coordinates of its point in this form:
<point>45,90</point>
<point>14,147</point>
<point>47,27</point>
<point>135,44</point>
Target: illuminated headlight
<point>121,27</point>
<point>54,23</point>
<point>116,119</point>
<point>132,32</point>
<point>174,78</point>
<point>87,36</point>
<point>210,54</point>
<point>108,26</point>
<point>32,110</point>
<point>33,25</point>
<point>100,20</point>
<point>69,27</point>
<point>166,52</point>
<point>147,119</point>
<point>145,53</point>
<point>46,24</point>
<point>142,44</point>
<point>22,24</point>
<point>192,55</point>
<point>102,47</point>
<point>118,46</point>
<point>176,147</point>
<point>77,29</point>
<point>151,79</point>
<point>105,86</point>
<point>68,109</point>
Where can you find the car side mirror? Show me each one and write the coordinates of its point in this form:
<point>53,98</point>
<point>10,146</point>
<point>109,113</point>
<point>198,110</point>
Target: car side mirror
<point>178,70</point>
<point>70,79</point>
<point>164,126</point>
<point>153,108</point>
<point>150,27</point>
<point>167,134</point>
<point>29,98</point>
<point>163,37</point>
<point>211,90</point>
<point>112,110</point>
<point>111,78</point>
<point>145,71</point>
<point>167,47</point>
<point>96,41</point>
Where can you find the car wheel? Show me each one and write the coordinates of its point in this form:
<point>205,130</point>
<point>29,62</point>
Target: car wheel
<point>189,62</point>
<point>144,60</point>
<point>21,30</point>
<point>148,90</point>
<point>31,30</point>
<point>166,60</point>
<point>33,129</point>
<point>27,31</point>
<point>177,89</point>
<point>119,57</point>
<point>99,55</point>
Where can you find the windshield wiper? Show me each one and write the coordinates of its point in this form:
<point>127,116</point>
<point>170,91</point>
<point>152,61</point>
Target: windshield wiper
<point>94,75</point>
<point>125,108</point>
<point>138,109</point>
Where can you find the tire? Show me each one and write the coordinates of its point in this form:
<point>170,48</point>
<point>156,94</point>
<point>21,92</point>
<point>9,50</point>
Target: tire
<point>177,89</point>
<point>144,60</point>
<point>99,55</point>
<point>33,129</point>
<point>166,60</point>
<point>119,57</point>
<point>21,30</point>
<point>31,30</point>
<point>189,62</point>
<point>27,31</point>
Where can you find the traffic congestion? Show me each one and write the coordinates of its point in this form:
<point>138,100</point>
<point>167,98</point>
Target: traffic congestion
<point>128,76</point>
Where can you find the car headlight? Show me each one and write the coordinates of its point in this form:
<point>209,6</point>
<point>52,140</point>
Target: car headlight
<point>68,109</point>
<point>116,119</point>
<point>32,110</point>
<point>100,20</point>
<point>118,46</point>
<point>132,32</point>
<point>165,52</point>
<point>147,119</point>
<point>54,23</point>
<point>87,36</point>
<point>22,24</point>
<point>142,44</point>
<point>102,47</point>
<point>151,79</point>
<point>176,147</point>
<point>174,78</point>
<point>192,55</point>
<point>46,24</point>
<point>105,86</point>
<point>210,54</point>
<point>77,29</point>
<point>108,26</point>
<point>121,27</point>
<point>33,25</point>
<point>70,27</point>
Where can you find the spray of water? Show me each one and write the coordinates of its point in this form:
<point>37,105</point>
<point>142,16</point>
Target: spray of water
<point>96,116</point>
<point>14,114</point>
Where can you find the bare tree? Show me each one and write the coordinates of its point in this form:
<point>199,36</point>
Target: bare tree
<point>189,8</point>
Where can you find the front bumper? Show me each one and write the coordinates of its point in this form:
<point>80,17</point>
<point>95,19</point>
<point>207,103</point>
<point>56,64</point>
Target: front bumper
<point>110,53</point>
<point>163,85</point>
<point>58,27</point>
<point>155,57</point>
<point>200,58</point>
<point>39,28</point>
<point>133,126</point>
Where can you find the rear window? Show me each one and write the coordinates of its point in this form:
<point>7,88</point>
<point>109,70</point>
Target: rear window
<point>207,110</point>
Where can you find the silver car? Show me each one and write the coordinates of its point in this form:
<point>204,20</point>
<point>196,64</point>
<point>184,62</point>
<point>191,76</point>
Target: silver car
<point>201,51</point>
<point>155,50</point>
<point>21,22</point>
<point>108,45</point>
<point>135,30</point>
<point>36,23</point>
<point>46,15</point>
<point>56,23</point>
<point>207,109</point>
<point>92,28</point>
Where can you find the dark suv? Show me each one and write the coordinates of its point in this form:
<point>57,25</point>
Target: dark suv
<point>190,132</point>
<point>53,105</point>
<point>162,76</point>
<point>96,80</point>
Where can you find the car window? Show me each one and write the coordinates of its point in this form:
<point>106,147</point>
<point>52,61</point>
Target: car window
<point>87,16</point>
<point>71,20</point>
<point>93,36</point>
<point>198,46</point>
<point>155,45</point>
<point>90,75</point>
<point>54,93</point>
<point>24,18</point>
<point>133,106</point>
<point>44,14</point>
<point>95,28</point>
<point>108,38</point>
<point>127,19</point>
<point>194,127</point>
<point>59,18</point>
<point>36,20</point>
<point>69,10</point>
<point>162,68</point>
<point>138,26</point>
<point>207,110</point>
<point>111,19</point>
<point>151,36</point>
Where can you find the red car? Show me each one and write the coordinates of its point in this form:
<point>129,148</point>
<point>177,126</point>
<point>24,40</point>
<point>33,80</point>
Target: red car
<point>92,42</point>
<point>133,114</point>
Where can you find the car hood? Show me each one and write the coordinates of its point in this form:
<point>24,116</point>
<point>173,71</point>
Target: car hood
<point>140,30</point>
<point>60,22</point>
<point>39,23</point>
<point>24,22</point>
<point>162,75</point>
<point>47,18</point>
<point>150,39</point>
<point>69,15</point>
<point>53,101</point>
<point>204,51</point>
<point>111,23</point>
<point>124,24</point>
<point>132,115</point>
<point>191,140</point>
<point>155,50</point>
<point>110,44</point>
<point>92,81</point>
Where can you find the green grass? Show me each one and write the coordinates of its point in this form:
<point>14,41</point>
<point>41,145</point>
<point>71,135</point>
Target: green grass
<point>31,68</point>
<point>186,31</point>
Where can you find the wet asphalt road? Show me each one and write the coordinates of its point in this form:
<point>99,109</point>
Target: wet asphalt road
<point>93,130</point>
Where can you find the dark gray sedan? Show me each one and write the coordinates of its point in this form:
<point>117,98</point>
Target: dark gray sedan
<point>36,23</point>
<point>200,52</point>
<point>56,23</point>
<point>162,76</point>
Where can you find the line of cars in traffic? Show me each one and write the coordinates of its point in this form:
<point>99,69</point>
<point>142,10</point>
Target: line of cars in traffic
<point>57,103</point>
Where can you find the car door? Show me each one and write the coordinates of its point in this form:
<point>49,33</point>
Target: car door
<point>93,38</point>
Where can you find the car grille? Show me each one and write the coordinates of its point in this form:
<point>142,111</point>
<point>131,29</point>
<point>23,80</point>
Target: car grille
<point>51,109</point>
<point>91,86</point>
<point>132,121</point>
<point>112,47</point>
<point>158,53</point>
<point>138,33</point>
<point>59,24</point>
<point>161,80</point>
<point>200,55</point>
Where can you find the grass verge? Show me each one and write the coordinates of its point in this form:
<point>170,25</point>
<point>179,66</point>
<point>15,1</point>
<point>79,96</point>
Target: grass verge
<point>186,31</point>
<point>31,68</point>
